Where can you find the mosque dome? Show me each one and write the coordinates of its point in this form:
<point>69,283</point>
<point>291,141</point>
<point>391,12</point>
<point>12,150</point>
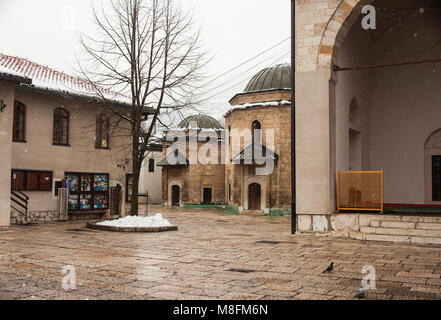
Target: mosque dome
<point>277,77</point>
<point>202,122</point>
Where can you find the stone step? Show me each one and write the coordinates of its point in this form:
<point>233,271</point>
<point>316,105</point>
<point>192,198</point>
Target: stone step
<point>394,238</point>
<point>394,224</point>
<point>429,226</point>
<point>402,232</point>
<point>408,218</point>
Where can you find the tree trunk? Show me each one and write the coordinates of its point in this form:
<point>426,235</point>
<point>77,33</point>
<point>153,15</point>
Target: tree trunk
<point>135,192</point>
<point>136,168</point>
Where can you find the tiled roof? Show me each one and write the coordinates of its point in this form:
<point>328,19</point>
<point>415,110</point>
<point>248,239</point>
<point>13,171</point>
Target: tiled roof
<point>49,79</point>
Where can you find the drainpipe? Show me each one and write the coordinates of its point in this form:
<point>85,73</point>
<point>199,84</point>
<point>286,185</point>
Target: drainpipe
<point>293,120</point>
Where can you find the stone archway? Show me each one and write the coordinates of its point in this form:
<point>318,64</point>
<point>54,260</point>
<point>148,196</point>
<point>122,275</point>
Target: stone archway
<point>254,196</point>
<point>175,196</point>
<point>172,186</point>
<point>336,30</point>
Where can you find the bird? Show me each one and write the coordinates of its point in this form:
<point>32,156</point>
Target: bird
<point>361,294</point>
<point>330,268</point>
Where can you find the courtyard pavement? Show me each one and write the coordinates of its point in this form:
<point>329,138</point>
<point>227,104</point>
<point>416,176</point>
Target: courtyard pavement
<point>214,255</point>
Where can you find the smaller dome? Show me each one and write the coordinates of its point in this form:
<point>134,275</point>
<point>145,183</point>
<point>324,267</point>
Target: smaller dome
<point>201,121</point>
<point>277,77</point>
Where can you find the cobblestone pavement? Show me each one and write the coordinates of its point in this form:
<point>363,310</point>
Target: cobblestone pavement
<point>213,256</point>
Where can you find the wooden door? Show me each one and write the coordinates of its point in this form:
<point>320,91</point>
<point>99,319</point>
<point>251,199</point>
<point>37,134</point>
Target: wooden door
<point>175,196</point>
<point>254,196</point>
<point>116,196</point>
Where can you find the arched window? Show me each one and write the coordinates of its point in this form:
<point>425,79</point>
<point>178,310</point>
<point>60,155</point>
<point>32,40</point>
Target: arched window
<point>354,113</point>
<point>19,130</point>
<point>102,132</point>
<point>61,127</point>
<point>256,131</point>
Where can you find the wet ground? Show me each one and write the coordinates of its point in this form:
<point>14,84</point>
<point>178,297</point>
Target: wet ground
<point>214,255</point>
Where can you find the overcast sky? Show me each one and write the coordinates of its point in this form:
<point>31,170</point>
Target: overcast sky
<point>47,32</point>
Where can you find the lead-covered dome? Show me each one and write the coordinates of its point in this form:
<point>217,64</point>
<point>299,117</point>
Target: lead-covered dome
<point>277,77</point>
<point>201,122</point>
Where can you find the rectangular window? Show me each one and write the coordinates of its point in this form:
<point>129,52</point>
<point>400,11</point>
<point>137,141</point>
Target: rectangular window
<point>102,132</point>
<point>151,165</point>
<point>19,125</point>
<point>436,178</point>
<point>88,191</point>
<point>61,127</point>
<point>28,180</point>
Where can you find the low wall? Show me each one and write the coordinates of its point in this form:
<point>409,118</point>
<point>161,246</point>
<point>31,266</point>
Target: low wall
<point>338,224</point>
<point>50,216</point>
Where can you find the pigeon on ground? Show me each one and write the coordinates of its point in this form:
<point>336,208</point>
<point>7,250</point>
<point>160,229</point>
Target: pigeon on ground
<point>361,294</point>
<point>330,268</point>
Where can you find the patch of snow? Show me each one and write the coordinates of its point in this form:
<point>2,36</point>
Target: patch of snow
<point>260,104</point>
<point>137,222</point>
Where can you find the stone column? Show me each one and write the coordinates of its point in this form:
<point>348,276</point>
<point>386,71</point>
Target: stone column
<point>313,151</point>
<point>7,92</point>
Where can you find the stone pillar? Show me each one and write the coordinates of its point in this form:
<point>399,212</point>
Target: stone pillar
<point>7,92</point>
<point>313,152</point>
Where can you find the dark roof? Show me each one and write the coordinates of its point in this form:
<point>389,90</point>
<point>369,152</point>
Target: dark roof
<point>155,147</point>
<point>174,159</point>
<point>14,78</point>
<point>277,77</point>
<point>202,122</point>
<point>247,153</point>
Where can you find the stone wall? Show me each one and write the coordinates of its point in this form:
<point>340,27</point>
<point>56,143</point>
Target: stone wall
<point>253,97</point>
<point>49,216</point>
<point>37,217</point>
<point>277,118</point>
<point>194,178</point>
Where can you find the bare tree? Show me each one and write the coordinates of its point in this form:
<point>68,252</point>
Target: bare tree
<point>146,51</point>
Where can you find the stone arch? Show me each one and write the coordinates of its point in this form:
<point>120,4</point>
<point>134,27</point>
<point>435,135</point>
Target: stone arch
<point>260,180</point>
<point>354,112</point>
<point>336,30</point>
<point>433,141</point>
<point>171,184</point>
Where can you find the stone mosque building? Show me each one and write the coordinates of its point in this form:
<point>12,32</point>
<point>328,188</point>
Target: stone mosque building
<point>264,105</point>
<point>367,99</point>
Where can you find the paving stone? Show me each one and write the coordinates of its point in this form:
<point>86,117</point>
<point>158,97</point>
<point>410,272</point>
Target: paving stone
<point>193,262</point>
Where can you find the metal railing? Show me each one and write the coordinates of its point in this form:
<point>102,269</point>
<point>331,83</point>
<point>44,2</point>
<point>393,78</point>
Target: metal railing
<point>360,191</point>
<point>21,200</point>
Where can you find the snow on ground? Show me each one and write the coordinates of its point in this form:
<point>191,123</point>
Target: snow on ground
<point>137,222</point>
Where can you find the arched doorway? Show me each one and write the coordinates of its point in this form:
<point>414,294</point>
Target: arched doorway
<point>176,193</point>
<point>254,196</point>
<point>387,78</point>
<point>432,164</point>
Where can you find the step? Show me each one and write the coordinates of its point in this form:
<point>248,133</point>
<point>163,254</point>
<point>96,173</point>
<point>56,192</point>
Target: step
<point>402,232</point>
<point>394,238</point>
<point>429,226</point>
<point>404,218</point>
<point>394,224</point>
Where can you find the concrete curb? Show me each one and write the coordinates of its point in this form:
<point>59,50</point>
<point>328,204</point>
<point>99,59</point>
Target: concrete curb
<point>131,229</point>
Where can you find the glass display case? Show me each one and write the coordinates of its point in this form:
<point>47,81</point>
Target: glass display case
<point>88,191</point>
